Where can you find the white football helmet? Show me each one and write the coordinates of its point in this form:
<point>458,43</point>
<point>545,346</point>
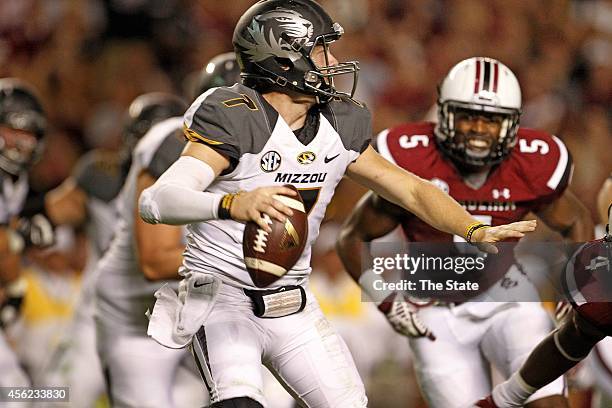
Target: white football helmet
<point>482,85</point>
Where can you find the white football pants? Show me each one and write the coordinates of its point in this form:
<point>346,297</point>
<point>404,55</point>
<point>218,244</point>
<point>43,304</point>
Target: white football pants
<point>302,350</point>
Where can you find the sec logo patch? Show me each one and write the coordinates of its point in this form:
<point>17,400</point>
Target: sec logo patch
<point>306,157</point>
<point>270,161</point>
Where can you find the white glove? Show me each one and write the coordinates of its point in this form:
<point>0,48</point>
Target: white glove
<point>402,315</point>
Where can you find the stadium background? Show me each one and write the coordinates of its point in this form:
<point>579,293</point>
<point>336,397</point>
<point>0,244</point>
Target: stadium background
<point>90,58</point>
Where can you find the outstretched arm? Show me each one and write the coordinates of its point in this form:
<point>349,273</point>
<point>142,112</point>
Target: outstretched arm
<point>428,202</point>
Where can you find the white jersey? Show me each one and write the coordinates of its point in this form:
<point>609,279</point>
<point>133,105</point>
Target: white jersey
<point>123,292</point>
<point>264,151</point>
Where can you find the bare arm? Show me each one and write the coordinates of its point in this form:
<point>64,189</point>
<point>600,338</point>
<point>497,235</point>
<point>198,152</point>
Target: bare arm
<point>426,201</point>
<point>9,261</point>
<point>214,159</point>
<point>66,204</point>
<point>159,246</point>
<point>369,220</point>
<point>604,199</point>
<point>569,216</point>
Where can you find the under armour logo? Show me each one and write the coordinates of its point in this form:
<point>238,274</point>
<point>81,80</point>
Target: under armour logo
<point>505,193</point>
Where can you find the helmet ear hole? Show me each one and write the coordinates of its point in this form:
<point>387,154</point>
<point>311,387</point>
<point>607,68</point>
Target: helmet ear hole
<point>284,63</point>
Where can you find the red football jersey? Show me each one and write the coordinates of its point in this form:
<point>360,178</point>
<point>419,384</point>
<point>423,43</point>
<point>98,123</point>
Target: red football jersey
<point>536,172</point>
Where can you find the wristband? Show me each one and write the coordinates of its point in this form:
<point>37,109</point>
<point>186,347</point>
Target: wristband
<point>473,227</point>
<point>225,205</point>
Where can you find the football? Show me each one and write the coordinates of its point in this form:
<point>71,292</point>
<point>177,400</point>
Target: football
<point>269,255</point>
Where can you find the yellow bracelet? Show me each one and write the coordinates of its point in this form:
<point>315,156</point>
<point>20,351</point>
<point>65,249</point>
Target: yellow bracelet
<point>473,229</point>
<point>225,205</point>
<point>469,227</point>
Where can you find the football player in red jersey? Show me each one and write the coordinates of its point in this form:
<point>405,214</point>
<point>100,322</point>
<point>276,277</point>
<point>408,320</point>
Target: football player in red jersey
<point>499,172</point>
<point>576,337</point>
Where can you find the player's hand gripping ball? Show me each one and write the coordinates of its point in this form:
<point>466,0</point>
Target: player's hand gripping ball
<point>269,255</point>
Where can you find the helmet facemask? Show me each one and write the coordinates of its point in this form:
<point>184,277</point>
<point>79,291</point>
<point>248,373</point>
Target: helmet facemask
<point>23,126</point>
<point>484,87</point>
<point>320,80</point>
<point>19,149</point>
<point>448,140</point>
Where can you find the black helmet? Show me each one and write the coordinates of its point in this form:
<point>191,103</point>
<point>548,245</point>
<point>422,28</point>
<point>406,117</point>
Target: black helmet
<point>273,41</point>
<point>20,109</point>
<point>222,70</point>
<point>148,109</point>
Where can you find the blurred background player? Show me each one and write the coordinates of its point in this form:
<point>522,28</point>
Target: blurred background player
<point>141,258</point>
<point>88,199</point>
<point>222,70</point>
<point>478,154</point>
<point>22,127</point>
<point>578,335</point>
<point>139,372</point>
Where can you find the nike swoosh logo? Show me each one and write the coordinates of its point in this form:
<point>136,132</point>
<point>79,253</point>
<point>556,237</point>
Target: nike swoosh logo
<point>328,159</point>
<point>195,285</point>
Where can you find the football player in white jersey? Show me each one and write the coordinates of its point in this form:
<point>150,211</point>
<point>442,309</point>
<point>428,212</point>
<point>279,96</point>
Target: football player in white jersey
<point>287,124</point>
<point>22,127</point>
<point>141,258</point>
<point>88,198</point>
